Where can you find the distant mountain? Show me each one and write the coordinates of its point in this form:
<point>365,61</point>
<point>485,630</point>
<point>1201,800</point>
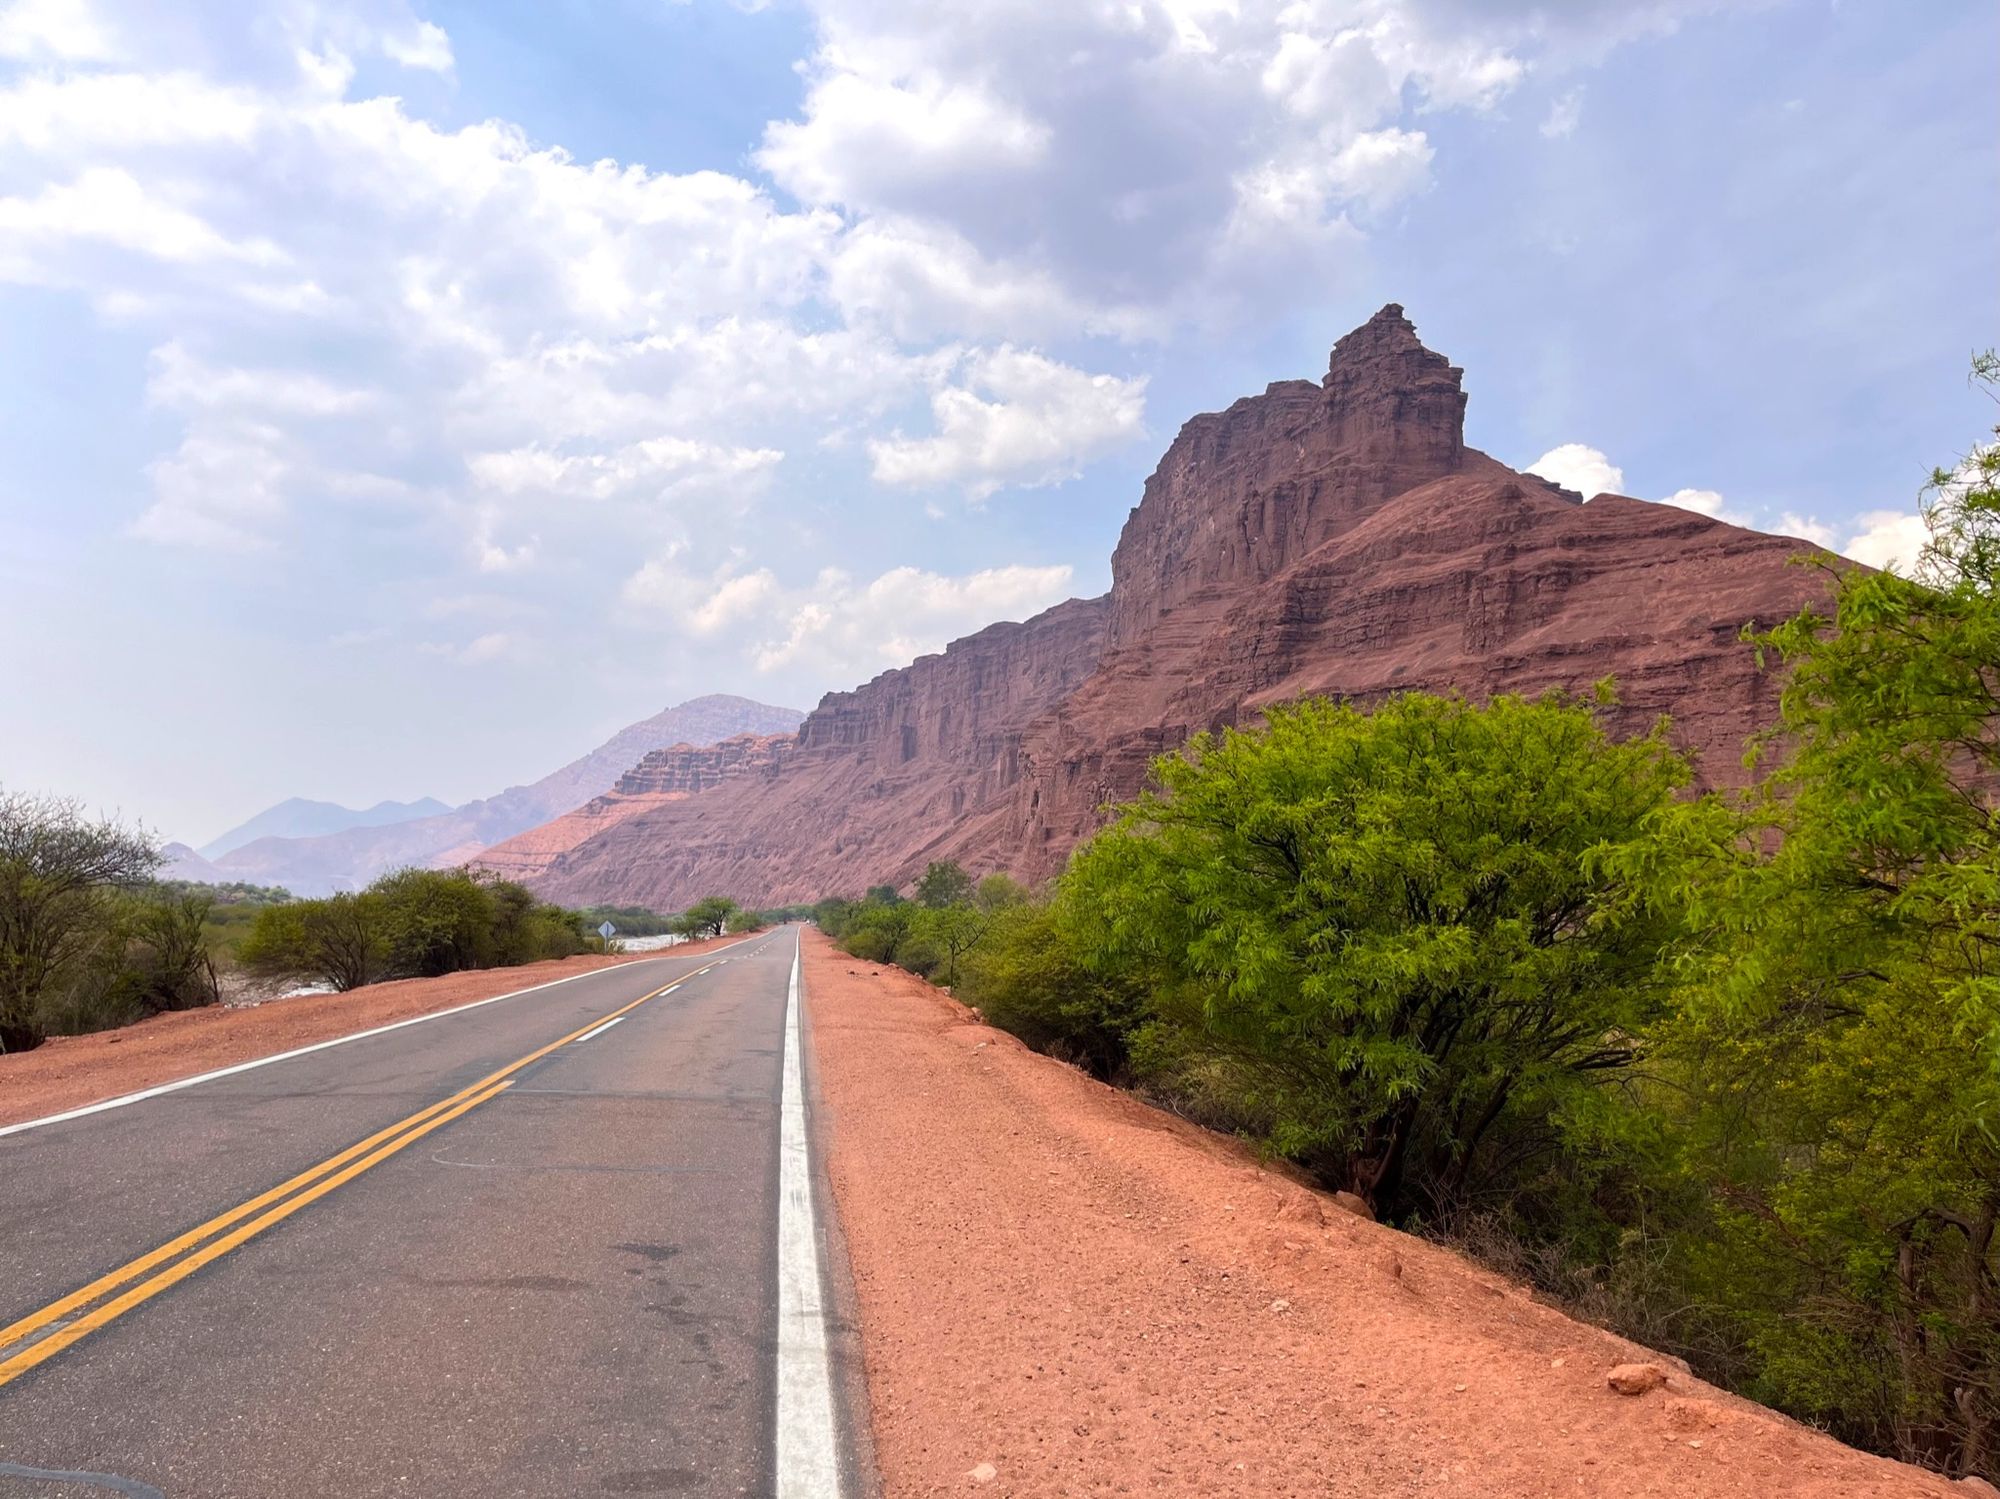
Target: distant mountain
<point>299,818</point>
<point>179,862</point>
<point>351,857</point>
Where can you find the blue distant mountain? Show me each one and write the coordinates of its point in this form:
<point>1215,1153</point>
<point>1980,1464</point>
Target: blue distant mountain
<point>299,818</point>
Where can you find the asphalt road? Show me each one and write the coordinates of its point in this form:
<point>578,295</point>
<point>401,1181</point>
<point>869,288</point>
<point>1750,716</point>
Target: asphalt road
<point>563,1281</point>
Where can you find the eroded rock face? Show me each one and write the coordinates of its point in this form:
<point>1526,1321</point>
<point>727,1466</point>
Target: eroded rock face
<point>1243,493</point>
<point>1333,538</point>
<point>662,776</point>
<point>921,763</point>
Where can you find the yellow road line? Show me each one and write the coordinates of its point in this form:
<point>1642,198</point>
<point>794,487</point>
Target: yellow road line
<point>416,1125</point>
<point>62,1337</point>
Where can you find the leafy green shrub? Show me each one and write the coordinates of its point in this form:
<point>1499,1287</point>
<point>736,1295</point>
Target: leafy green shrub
<point>1390,922</point>
<point>1026,977</point>
<point>341,940</point>
<point>167,950</point>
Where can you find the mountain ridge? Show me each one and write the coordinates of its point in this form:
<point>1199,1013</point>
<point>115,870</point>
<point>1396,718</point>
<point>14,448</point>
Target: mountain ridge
<point>300,817</point>
<point>1332,537</point>
<point>354,856</point>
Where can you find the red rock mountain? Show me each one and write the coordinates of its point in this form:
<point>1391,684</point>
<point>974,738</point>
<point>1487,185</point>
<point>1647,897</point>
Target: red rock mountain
<point>1332,538</point>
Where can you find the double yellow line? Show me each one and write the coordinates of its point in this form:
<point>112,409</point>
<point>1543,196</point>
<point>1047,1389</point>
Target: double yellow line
<point>82,1312</point>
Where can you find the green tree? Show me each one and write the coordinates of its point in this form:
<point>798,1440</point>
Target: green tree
<point>61,873</point>
<point>999,892</point>
<point>1834,1065</point>
<point>952,932</point>
<point>341,940</point>
<point>436,921</point>
<point>168,949</point>
<point>1388,920</point>
<point>710,917</point>
<point>944,884</point>
<point>1027,976</point>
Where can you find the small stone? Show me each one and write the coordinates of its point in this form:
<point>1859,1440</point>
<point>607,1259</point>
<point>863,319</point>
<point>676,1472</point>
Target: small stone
<point>1352,1202</point>
<point>1557,1363</point>
<point>1980,1487</point>
<point>984,1473</point>
<point>1281,1305</point>
<point>1460,1388</point>
<point>1636,1379</point>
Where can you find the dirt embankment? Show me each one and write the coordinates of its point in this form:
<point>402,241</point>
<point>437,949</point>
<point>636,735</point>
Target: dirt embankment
<point>1065,1292</point>
<point>71,1071</point>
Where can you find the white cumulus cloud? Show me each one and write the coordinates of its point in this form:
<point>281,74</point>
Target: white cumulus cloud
<point>1578,466</point>
<point>1014,417</point>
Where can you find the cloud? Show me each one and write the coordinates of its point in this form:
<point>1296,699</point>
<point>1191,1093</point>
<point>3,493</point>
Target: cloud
<point>179,380</point>
<point>1586,470</point>
<point>424,356</point>
<point>843,629</point>
<point>481,650</point>
<point>1707,502</point>
<point>108,206</point>
<point>870,137</point>
<point>1806,528</point>
<point>657,467</point>
<point>68,30</point>
<point>1565,110</point>
<point>1578,466</point>
<point>1887,538</point>
<point>1015,417</point>
<point>835,628</point>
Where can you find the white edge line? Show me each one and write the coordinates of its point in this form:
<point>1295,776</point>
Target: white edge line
<point>808,1450</point>
<point>285,1056</point>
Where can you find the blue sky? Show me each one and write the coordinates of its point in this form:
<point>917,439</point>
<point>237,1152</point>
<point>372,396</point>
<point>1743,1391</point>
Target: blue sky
<point>395,397</point>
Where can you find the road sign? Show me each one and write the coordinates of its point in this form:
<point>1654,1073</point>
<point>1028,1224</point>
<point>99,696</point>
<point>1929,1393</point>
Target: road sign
<point>607,931</point>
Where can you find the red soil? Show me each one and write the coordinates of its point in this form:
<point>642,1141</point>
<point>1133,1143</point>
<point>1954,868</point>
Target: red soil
<point>1094,1297</point>
<point>71,1071</point>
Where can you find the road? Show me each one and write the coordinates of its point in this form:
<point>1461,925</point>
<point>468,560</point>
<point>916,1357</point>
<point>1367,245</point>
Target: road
<point>512,1251</point>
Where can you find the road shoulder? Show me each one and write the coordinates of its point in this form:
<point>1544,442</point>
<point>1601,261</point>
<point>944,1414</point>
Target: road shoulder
<point>1064,1291</point>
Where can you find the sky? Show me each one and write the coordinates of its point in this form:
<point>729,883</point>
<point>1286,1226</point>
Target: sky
<point>396,398</point>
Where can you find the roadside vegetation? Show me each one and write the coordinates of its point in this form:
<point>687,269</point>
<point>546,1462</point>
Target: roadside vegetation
<point>1719,1071</point>
<point>87,939</point>
<point>90,940</point>
<point>413,923</point>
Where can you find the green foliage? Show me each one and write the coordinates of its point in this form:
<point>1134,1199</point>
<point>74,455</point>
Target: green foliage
<point>1027,976</point>
<point>167,951</point>
<point>340,940</point>
<point>414,923</point>
<point>436,921</point>
<point>631,921</point>
<point>1832,1069</point>
<point>942,885</point>
<point>1388,921</point>
<point>66,884</point>
<point>710,917</point>
<point>877,931</point>
<point>999,892</point>
<point>229,892</point>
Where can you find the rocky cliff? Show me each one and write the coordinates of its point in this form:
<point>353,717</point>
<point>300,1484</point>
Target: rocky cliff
<point>1336,537</point>
<point>664,775</point>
